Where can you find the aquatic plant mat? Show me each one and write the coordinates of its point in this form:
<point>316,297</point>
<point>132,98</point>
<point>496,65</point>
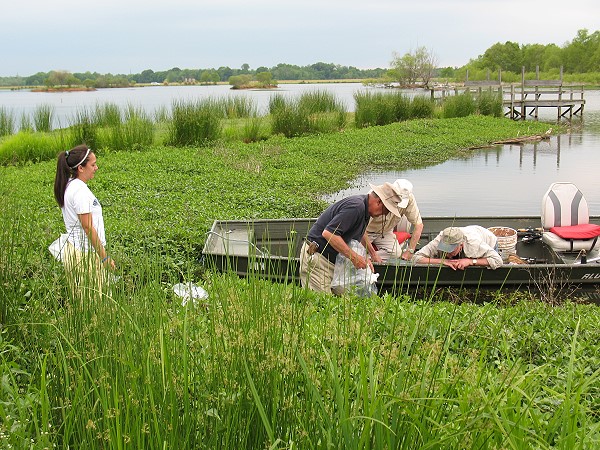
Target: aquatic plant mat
<point>260,364</point>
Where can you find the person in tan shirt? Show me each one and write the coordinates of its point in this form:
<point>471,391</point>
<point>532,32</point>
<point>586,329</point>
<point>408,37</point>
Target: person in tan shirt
<point>380,230</point>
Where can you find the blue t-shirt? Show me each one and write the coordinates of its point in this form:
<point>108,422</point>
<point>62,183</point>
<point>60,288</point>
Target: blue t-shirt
<point>347,218</point>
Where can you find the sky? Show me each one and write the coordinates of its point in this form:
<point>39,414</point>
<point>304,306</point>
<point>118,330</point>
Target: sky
<point>129,36</point>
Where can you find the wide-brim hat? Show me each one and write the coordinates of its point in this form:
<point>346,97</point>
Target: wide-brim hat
<point>403,188</point>
<point>388,196</point>
<point>452,237</point>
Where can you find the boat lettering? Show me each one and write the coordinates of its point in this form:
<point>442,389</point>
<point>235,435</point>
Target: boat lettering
<point>590,276</point>
<point>258,266</point>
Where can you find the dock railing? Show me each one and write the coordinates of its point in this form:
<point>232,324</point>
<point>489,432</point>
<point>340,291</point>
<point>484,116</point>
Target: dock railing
<point>526,98</point>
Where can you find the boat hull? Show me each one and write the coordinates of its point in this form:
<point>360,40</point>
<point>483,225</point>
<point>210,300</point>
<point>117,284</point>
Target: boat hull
<point>270,248</point>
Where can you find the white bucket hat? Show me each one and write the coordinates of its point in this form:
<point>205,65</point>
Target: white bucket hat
<point>403,188</point>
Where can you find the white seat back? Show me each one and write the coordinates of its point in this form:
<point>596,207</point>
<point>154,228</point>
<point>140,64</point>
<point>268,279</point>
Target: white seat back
<point>564,205</point>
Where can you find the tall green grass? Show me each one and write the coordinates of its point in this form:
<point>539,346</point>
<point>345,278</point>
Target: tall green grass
<point>43,117</point>
<point>489,104</point>
<point>237,107</point>
<point>460,105</point>
<point>29,146</point>
<point>195,122</point>
<point>7,121</point>
<point>84,128</point>
<point>382,108</point>
<point>312,113</point>
<point>262,365</point>
<point>25,123</point>
<point>259,364</point>
<point>107,115</point>
<point>134,132</point>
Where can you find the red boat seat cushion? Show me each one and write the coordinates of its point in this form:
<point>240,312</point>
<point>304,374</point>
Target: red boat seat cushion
<point>583,231</point>
<point>403,236</point>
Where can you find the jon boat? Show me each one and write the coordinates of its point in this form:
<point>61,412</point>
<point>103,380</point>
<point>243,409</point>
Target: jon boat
<point>560,247</point>
<point>271,248</point>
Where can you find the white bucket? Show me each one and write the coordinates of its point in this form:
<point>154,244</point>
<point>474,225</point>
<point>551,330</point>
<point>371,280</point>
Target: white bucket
<point>507,241</point>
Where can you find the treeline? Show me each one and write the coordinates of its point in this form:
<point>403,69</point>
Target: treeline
<point>579,56</point>
<point>318,71</point>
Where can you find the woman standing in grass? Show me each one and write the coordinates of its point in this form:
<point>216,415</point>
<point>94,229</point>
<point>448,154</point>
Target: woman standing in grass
<point>85,252</point>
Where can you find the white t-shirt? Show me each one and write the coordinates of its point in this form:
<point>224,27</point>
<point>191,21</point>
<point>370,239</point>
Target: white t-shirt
<point>80,200</point>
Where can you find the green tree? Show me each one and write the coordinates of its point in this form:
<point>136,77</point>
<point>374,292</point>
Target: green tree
<point>264,78</point>
<point>209,77</point>
<point>413,66</point>
<point>240,81</point>
<point>505,56</point>
<point>582,53</point>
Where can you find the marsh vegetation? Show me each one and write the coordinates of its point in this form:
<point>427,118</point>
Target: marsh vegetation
<point>258,364</point>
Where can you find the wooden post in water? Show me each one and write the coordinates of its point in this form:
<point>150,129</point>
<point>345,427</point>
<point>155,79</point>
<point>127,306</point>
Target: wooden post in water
<point>537,95</point>
<point>523,93</point>
<point>560,89</point>
<point>512,101</point>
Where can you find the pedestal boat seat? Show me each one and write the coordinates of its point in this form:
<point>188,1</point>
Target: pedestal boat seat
<point>566,220</point>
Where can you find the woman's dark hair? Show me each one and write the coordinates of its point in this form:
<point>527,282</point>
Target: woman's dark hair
<point>66,168</point>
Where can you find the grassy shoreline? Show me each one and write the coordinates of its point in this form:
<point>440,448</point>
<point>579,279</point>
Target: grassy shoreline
<point>270,365</point>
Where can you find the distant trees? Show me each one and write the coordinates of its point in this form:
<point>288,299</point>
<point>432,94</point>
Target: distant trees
<point>413,67</point>
<point>210,77</point>
<point>60,78</point>
<point>581,55</point>
<point>261,80</point>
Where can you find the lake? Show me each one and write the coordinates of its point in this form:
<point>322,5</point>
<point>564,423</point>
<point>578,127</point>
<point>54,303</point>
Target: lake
<point>503,180</point>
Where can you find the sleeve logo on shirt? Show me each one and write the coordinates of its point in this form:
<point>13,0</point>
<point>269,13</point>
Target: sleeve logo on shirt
<point>96,202</point>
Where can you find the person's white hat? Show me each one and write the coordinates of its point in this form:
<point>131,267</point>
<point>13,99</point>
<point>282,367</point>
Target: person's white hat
<point>403,188</point>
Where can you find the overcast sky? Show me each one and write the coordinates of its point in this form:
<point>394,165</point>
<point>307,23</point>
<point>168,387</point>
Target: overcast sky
<point>128,36</point>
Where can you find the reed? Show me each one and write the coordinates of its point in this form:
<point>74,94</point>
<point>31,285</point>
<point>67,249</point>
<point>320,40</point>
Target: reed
<point>84,129</point>
<point>422,108</point>
<point>162,114</point>
<point>313,112</point>
<point>195,122</point>
<point>238,107</point>
<point>320,101</point>
<point>460,105</point>
<point>134,133</point>
<point>7,121</point>
<point>288,119</point>
<point>26,124</point>
<point>489,104</point>
<point>107,115</point>
<point>43,117</point>
<point>378,108</point>
<point>253,130</point>
<point>261,364</point>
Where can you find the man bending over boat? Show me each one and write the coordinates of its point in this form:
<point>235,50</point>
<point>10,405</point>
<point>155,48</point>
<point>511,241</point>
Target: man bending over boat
<point>334,229</point>
<point>461,247</point>
<point>381,229</point>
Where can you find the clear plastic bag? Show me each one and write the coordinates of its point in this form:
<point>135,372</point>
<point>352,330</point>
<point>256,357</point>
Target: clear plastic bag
<point>347,278</point>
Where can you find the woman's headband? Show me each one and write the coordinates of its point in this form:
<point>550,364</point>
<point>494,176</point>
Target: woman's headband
<point>80,162</point>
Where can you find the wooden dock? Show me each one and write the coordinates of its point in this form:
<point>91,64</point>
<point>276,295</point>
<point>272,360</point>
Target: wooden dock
<point>524,99</point>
